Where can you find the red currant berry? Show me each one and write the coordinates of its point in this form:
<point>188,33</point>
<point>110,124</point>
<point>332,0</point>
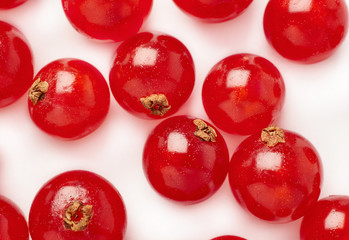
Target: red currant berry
<point>276,175</point>
<point>13,225</point>
<point>69,98</point>
<point>114,20</point>
<point>152,75</point>
<point>243,93</point>
<point>185,159</point>
<point>6,4</point>
<point>306,31</point>
<point>214,10</point>
<point>228,237</point>
<point>16,66</point>
<point>77,205</point>
<point>328,219</point>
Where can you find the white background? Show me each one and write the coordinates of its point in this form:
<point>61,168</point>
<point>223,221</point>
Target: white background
<point>316,106</point>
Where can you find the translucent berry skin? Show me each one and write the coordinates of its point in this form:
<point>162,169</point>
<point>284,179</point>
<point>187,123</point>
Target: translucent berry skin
<point>328,219</point>
<point>228,237</point>
<point>182,166</point>
<point>16,64</point>
<point>214,10</point>
<point>306,31</point>
<point>114,20</point>
<point>108,219</point>
<point>13,225</point>
<point>277,183</point>
<point>150,63</point>
<point>76,102</point>
<point>7,4</point>
<point>243,93</point>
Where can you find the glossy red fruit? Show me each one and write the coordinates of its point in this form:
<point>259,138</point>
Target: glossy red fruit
<point>69,98</point>
<point>6,4</point>
<point>276,175</point>
<point>228,237</point>
<point>243,93</point>
<point>114,20</point>
<point>13,225</point>
<point>306,31</point>
<point>16,66</point>
<point>328,219</point>
<point>185,159</point>
<point>214,10</point>
<point>152,75</point>
<point>77,205</point>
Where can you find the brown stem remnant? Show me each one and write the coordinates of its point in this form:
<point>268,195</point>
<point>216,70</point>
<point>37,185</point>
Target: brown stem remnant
<point>157,103</point>
<point>204,131</point>
<point>272,136</point>
<point>37,91</point>
<point>77,216</point>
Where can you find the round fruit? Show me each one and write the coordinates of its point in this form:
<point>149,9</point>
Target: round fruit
<point>16,66</point>
<point>77,205</point>
<point>13,225</point>
<point>276,175</point>
<point>185,159</point>
<point>69,98</point>
<point>328,219</point>
<point>214,10</point>
<point>7,4</point>
<point>306,31</point>
<point>152,75</point>
<point>243,94</point>
<point>228,237</point>
<point>114,20</point>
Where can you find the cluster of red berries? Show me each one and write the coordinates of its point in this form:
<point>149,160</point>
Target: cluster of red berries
<point>274,173</point>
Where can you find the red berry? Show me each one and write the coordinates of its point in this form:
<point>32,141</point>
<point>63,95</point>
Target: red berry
<point>69,98</point>
<point>13,225</point>
<point>77,205</point>
<point>16,66</point>
<point>328,219</point>
<point>114,20</point>
<point>185,159</point>
<point>276,175</point>
<point>6,4</point>
<point>228,238</point>
<point>243,93</point>
<point>306,31</point>
<point>152,75</point>
<point>214,10</point>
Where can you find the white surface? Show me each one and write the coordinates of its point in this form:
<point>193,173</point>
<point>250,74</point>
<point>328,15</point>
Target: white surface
<point>317,107</point>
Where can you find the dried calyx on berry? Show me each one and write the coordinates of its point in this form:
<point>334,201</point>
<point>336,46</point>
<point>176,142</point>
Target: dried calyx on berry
<point>157,103</point>
<point>38,90</point>
<point>272,136</point>
<point>204,131</point>
<point>77,216</point>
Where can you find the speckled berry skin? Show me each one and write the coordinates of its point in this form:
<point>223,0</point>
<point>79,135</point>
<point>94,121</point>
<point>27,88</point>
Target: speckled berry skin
<point>243,93</point>
<point>328,219</point>
<point>13,225</point>
<point>152,63</point>
<point>182,166</point>
<point>108,218</point>
<point>107,20</point>
<point>16,64</point>
<point>214,10</point>
<point>76,102</point>
<point>306,31</point>
<point>276,183</point>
